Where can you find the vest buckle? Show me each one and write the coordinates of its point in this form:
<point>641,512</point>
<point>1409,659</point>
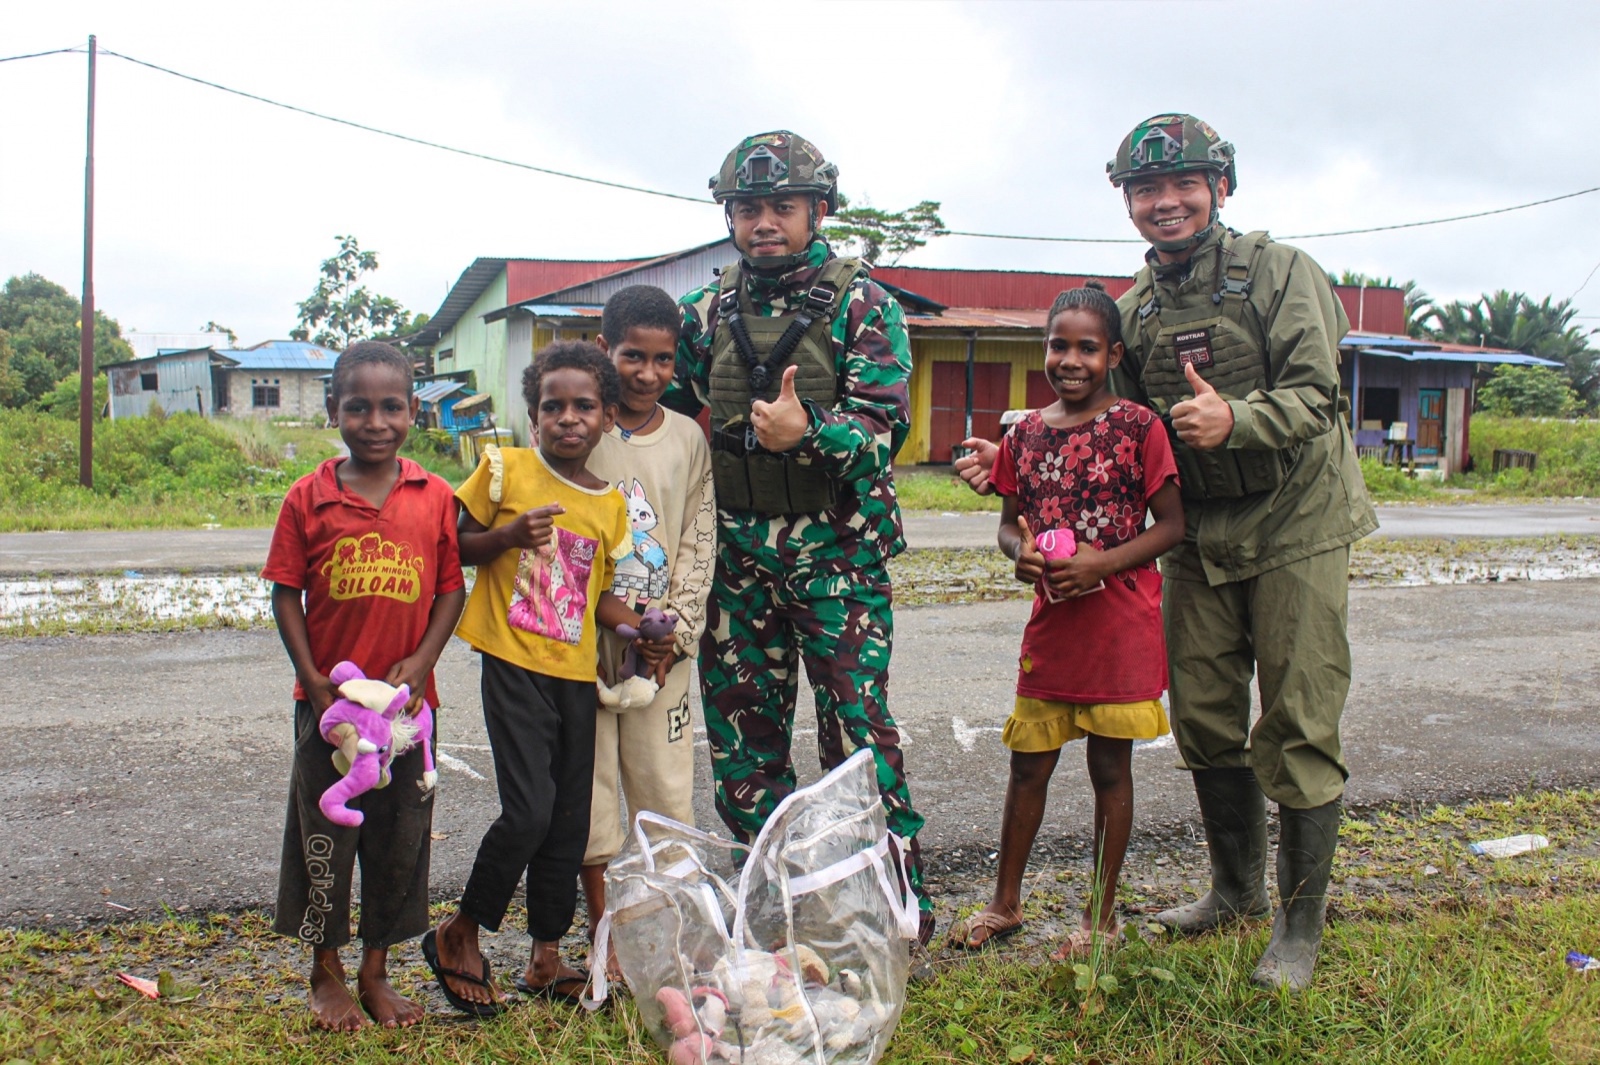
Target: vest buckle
<point>751,442</point>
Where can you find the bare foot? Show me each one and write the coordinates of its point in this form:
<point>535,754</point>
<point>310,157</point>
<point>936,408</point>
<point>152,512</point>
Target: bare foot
<point>378,997</point>
<point>332,1008</point>
<point>457,940</point>
<point>545,966</point>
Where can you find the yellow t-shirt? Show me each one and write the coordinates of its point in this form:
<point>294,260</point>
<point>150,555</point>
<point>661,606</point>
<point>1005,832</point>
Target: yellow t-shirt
<point>535,609</point>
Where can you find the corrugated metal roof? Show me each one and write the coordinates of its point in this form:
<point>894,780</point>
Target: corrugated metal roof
<point>1359,337</point>
<point>1001,289</point>
<point>1483,355</point>
<point>528,279</point>
<point>433,391</point>
<point>966,318</point>
<point>468,287</point>
<point>283,355</point>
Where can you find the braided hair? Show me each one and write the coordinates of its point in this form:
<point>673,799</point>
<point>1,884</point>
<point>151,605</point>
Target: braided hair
<point>1092,297</point>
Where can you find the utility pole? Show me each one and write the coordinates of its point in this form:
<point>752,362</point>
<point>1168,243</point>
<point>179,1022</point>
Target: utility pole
<point>86,324</point>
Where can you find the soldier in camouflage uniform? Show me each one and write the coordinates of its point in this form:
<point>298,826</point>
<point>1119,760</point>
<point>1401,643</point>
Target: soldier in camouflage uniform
<point>805,364</point>
<point>1234,340</point>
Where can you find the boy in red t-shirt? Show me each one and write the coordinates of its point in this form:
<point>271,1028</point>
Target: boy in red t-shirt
<point>365,569</point>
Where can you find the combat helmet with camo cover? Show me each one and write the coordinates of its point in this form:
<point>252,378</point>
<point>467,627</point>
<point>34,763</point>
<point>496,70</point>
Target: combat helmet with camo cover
<point>778,163</point>
<point>1169,144</point>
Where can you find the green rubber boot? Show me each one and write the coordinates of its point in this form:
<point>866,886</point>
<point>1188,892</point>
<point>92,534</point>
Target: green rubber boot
<point>1235,815</point>
<point>1306,842</point>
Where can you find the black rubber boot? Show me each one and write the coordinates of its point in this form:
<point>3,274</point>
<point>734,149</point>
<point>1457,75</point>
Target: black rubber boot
<point>1235,815</point>
<point>1306,842</point>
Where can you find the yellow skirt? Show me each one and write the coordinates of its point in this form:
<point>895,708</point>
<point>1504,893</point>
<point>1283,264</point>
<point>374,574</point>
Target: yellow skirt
<point>1037,725</point>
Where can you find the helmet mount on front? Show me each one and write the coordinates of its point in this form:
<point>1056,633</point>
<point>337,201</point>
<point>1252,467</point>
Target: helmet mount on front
<point>778,163</point>
<point>1173,143</point>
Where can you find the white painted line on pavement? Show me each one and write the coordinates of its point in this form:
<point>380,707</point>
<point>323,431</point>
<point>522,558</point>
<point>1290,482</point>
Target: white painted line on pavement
<point>450,761</point>
<point>968,735</point>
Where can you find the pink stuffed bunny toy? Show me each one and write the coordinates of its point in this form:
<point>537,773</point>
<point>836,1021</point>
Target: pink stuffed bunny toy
<point>369,727</point>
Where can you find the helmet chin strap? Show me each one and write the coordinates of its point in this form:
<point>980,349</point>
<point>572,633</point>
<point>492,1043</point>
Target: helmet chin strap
<point>1174,246</point>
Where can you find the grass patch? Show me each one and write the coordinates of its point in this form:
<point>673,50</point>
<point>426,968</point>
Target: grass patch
<point>1484,983</point>
<point>1460,964</point>
<point>1569,457</point>
<point>936,488</point>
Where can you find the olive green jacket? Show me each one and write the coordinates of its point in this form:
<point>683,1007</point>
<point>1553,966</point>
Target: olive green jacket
<point>1323,502</point>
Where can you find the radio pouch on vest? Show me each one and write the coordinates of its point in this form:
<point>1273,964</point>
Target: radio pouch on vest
<point>1215,333</point>
<point>749,354</point>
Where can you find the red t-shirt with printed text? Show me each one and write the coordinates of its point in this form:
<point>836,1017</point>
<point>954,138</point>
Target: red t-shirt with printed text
<point>1095,479</point>
<point>369,574</point>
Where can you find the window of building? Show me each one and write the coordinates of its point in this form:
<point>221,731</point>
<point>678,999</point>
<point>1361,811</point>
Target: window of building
<point>147,382</point>
<point>1379,405</point>
<point>446,355</point>
<point>263,394</point>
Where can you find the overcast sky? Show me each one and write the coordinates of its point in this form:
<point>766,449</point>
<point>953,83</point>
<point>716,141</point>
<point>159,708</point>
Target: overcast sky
<point>213,207</point>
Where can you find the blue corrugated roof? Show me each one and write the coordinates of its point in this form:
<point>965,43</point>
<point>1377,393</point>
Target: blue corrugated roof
<point>1355,338</point>
<point>283,355</point>
<point>1509,358</point>
<point>433,391</point>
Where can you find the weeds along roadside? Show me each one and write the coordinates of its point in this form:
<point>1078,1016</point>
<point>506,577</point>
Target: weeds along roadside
<point>1467,966</point>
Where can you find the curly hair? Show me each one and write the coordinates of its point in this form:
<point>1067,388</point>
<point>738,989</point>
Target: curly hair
<point>367,353</point>
<point>1092,297</point>
<point>582,355</point>
<point>639,307</point>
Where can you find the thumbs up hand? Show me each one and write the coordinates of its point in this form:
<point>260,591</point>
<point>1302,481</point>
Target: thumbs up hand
<point>781,424</point>
<point>1030,562</point>
<point>1206,421</point>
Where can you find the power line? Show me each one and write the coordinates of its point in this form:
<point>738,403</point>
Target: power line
<point>1585,284</point>
<point>1294,236</point>
<point>36,55</point>
<point>704,202</point>
<point>412,140</point>
<point>1441,221</point>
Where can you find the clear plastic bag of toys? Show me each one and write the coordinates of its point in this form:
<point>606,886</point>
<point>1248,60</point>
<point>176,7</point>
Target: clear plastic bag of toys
<point>792,950</point>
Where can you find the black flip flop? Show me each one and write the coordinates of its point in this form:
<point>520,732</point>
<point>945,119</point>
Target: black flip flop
<point>481,1010</point>
<point>550,991</point>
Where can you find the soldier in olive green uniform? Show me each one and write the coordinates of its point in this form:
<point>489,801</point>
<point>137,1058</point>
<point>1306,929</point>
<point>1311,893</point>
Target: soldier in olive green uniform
<point>1234,339</point>
<point>805,364</point>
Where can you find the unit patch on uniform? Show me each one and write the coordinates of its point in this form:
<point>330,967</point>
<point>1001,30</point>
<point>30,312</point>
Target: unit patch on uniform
<point>1193,348</point>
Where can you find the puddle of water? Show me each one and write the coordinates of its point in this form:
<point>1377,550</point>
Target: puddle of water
<point>1413,573</point>
<point>116,602</point>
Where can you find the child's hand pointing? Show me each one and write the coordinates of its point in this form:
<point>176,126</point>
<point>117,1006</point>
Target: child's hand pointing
<point>1206,421</point>
<point>781,424</point>
<point>533,528</point>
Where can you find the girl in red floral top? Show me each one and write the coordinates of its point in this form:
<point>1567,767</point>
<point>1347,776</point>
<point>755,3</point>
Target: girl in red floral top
<point>1094,660</point>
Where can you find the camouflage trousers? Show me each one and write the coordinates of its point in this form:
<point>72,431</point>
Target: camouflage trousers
<point>760,626</point>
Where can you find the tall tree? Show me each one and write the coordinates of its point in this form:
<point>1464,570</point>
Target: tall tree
<point>883,237</point>
<point>341,310</point>
<point>1512,320</point>
<point>1418,304</point>
<point>42,323</point>
<point>213,327</point>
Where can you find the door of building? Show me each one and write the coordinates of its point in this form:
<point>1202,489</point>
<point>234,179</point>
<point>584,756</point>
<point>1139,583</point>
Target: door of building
<point>991,393</point>
<point>1430,422</point>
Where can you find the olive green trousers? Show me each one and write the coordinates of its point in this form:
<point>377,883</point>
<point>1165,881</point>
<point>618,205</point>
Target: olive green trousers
<point>1288,628</point>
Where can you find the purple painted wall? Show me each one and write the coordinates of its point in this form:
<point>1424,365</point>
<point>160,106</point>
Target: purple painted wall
<point>1408,378</point>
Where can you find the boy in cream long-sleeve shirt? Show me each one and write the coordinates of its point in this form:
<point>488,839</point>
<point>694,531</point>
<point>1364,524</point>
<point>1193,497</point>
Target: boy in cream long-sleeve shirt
<point>659,461</point>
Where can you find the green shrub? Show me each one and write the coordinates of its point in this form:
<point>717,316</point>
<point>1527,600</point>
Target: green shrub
<point>1568,463</point>
<point>1527,392</point>
<point>1387,484</point>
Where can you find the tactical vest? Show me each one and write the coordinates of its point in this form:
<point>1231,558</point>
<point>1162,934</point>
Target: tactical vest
<point>749,353</point>
<point>1216,332</point>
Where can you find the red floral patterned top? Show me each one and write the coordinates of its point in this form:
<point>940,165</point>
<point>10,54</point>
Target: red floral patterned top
<point>1096,479</point>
